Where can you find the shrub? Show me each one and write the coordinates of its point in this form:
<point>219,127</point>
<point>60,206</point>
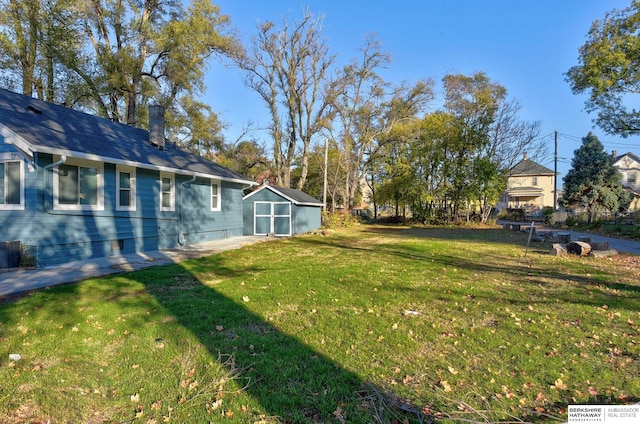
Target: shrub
<point>338,220</point>
<point>549,217</point>
<point>595,224</point>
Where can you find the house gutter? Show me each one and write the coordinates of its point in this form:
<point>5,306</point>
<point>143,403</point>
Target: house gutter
<point>142,165</point>
<point>181,239</point>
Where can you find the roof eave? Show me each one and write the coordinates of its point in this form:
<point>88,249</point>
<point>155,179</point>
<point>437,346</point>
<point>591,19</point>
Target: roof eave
<point>279,193</point>
<point>19,142</point>
<point>98,158</point>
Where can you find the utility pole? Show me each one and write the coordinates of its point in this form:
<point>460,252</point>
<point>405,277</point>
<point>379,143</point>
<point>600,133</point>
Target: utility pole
<point>555,173</point>
<point>324,185</point>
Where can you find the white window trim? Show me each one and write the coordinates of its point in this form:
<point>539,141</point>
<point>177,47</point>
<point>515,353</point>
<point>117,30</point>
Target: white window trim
<point>20,206</point>
<point>130,170</point>
<point>100,183</point>
<point>172,177</point>
<point>219,196</point>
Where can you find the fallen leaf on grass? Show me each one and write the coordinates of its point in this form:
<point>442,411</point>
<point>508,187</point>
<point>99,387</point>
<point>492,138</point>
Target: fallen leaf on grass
<point>338,414</point>
<point>135,398</point>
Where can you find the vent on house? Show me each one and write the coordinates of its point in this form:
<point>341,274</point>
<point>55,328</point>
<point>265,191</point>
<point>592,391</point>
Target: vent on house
<point>34,110</point>
<point>117,245</point>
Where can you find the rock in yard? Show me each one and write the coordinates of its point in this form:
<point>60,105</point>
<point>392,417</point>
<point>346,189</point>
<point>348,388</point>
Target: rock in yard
<point>603,253</point>
<point>600,245</point>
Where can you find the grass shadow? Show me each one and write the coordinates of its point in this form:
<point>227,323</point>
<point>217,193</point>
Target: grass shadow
<point>291,381</point>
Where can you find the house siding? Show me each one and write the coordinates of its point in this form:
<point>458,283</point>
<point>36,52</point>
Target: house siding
<point>306,218</point>
<point>52,237</point>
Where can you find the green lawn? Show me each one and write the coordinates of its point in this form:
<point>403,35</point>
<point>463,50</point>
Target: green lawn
<point>373,324</point>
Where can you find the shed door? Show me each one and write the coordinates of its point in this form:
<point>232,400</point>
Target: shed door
<point>272,218</point>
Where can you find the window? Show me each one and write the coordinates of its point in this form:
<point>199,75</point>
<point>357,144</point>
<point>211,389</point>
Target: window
<point>78,185</point>
<point>167,192</point>
<point>11,185</point>
<point>126,183</point>
<point>534,181</point>
<point>215,195</point>
<point>631,177</point>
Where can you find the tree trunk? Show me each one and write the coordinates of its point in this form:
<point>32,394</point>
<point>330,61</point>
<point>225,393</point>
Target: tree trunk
<point>579,248</point>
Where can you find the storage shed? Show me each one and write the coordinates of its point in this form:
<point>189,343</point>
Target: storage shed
<point>280,211</point>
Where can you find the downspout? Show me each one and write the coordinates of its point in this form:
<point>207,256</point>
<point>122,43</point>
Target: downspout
<point>47,190</point>
<point>180,230</point>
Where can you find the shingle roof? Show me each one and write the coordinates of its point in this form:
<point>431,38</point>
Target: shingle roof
<point>296,196</point>
<point>529,167</point>
<point>55,129</point>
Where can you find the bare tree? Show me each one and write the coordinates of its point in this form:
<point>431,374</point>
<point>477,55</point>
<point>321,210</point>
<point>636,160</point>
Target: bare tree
<point>368,108</point>
<point>288,68</point>
<point>509,136</point>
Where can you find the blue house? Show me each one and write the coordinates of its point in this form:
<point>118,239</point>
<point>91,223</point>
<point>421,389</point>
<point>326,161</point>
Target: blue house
<point>280,211</point>
<point>75,186</point>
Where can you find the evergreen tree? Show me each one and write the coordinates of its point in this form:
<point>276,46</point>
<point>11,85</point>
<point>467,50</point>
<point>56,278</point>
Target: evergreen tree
<point>593,182</point>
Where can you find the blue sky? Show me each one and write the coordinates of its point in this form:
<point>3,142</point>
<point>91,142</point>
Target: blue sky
<point>524,45</point>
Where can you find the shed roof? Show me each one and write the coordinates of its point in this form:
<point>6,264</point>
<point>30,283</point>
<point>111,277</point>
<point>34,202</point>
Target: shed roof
<point>33,126</point>
<point>297,197</point>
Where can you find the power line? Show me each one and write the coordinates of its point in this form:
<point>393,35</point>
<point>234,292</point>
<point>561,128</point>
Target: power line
<point>613,143</point>
<point>571,137</point>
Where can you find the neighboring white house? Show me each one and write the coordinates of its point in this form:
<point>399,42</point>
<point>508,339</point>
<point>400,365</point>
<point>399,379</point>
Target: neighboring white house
<point>629,166</point>
<point>530,186</point>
